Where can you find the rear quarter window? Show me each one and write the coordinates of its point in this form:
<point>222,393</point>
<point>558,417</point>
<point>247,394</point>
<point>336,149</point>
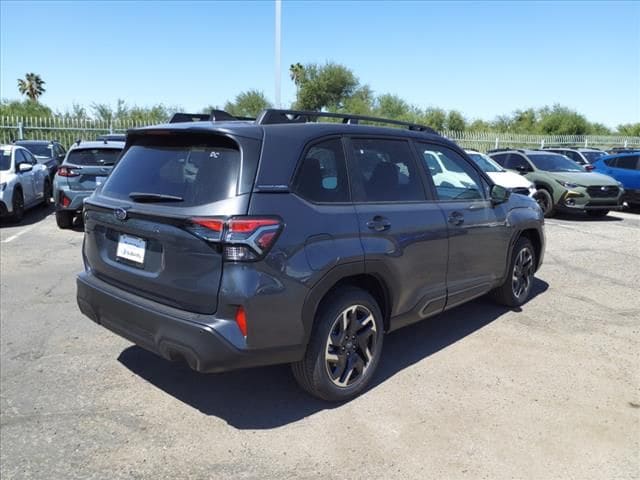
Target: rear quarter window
<point>198,173</point>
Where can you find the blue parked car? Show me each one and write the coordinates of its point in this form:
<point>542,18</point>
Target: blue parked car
<point>625,168</point>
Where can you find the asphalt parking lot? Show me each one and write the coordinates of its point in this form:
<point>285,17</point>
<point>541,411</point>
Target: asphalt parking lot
<point>551,391</point>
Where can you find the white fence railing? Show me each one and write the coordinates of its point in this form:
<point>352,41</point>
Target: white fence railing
<point>68,130</point>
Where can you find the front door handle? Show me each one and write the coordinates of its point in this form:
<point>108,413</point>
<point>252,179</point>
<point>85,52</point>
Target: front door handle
<point>456,218</point>
<point>379,224</point>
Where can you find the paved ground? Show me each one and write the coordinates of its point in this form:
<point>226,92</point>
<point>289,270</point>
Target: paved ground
<point>551,391</point>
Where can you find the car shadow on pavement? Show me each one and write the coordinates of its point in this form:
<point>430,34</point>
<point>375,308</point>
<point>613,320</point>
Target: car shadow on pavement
<point>583,217</point>
<point>31,216</point>
<point>268,397</point>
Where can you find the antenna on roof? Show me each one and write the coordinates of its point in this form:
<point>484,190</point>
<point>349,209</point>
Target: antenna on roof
<point>78,141</point>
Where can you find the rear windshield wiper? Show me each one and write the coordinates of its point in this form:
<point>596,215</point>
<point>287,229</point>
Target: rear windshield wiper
<point>154,197</point>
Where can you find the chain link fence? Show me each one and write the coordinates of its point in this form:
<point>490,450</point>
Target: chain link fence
<point>68,130</point>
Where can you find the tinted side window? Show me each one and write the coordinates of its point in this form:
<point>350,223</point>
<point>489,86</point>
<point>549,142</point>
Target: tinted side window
<point>628,163</point>
<point>515,162</point>
<point>386,171</point>
<point>611,162</point>
<point>322,176</point>
<point>455,178</point>
<point>21,157</point>
<point>30,158</point>
<point>501,158</point>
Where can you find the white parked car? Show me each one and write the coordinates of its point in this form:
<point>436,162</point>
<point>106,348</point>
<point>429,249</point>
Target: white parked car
<point>444,171</point>
<point>24,182</point>
<point>511,180</point>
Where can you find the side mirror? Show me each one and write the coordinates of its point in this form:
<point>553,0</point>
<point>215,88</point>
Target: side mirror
<point>25,167</point>
<point>588,167</point>
<point>523,170</point>
<point>499,194</point>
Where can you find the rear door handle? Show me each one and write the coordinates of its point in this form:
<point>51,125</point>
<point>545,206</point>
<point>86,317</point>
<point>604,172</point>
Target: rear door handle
<point>379,224</point>
<point>456,218</point>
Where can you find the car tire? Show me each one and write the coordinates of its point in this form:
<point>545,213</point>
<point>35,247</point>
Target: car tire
<point>517,287</point>
<point>597,213</point>
<point>64,219</point>
<point>345,347</point>
<point>17,204</point>
<point>47,193</point>
<point>545,201</point>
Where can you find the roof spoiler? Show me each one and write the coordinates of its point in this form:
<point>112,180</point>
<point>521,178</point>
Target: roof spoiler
<point>274,116</point>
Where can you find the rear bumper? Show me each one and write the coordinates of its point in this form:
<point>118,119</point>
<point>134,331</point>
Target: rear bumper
<point>76,198</point>
<point>213,346</point>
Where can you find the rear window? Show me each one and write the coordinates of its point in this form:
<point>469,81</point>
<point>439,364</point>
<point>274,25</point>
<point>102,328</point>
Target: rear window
<point>93,157</point>
<point>191,174</point>
<point>39,149</point>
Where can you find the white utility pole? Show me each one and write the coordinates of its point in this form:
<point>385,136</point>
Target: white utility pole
<point>278,28</point>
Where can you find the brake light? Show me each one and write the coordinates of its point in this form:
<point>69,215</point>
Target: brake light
<point>242,238</point>
<point>241,320</point>
<point>241,225</point>
<point>68,172</point>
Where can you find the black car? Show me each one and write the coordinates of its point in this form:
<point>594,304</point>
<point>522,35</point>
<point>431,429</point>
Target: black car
<point>48,152</point>
<point>581,155</point>
<point>233,244</point>
<point>112,137</point>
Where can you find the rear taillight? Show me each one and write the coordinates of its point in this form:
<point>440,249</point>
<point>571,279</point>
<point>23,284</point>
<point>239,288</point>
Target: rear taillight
<point>589,168</point>
<point>241,238</point>
<point>68,172</point>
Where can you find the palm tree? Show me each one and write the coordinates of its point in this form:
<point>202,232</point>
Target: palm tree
<point>31,86</point>
<point>296,72</point>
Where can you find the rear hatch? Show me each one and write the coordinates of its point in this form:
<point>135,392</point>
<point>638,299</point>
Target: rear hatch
<point>140,230</point>
<point>89,167</point>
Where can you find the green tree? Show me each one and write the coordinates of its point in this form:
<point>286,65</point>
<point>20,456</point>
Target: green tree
<point>26,108</point>
<point>248,104</point>
<point>629,129</point>
<point>524,121</point>
<point>296,73</point>
<point>325,86</point>
<point>393,107</point>
<point>480,126</point>
<point>559,120</point>
<point>455,121</point>
<point>434,118</point>
<point>32,86</point>
<point>361,102</point>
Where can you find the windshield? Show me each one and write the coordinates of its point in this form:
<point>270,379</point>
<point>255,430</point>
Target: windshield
<point>485,163</point>
<point>183,175</point>
<point>93,156</point>
<point>593,156</point>
<point>555,163</point>
<point>5,160</point>
<point>39,149</point>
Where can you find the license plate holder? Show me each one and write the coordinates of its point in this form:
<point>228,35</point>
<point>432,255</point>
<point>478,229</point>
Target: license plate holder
<point>131,249</point>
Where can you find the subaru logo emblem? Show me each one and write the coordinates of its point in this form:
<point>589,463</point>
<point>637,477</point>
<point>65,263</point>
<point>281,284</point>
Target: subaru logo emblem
<point>603,188</point>
<point>120,214</point>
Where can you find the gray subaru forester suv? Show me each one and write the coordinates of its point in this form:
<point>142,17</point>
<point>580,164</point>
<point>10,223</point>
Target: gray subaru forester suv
<point>230,244</point>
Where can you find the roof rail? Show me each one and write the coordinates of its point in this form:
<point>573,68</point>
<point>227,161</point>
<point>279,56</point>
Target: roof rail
<point>521,150</point>
<point>214,116</point>
<point>274,116</point>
